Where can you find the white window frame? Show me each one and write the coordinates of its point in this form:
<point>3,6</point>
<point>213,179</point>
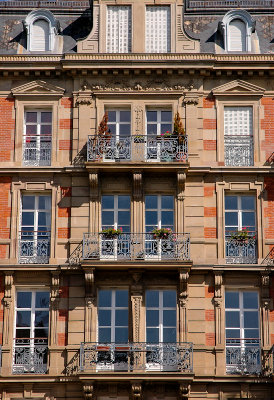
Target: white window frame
<point>248,21</point>
<point>240,210</point>
<point>38,136</point>
<point>120,45</point>
<point>53,27</point>
<point>151,45</point>
<point>160,209</point>
<point>151,143</point>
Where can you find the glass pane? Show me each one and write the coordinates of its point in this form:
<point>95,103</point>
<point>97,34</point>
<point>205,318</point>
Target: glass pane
<point>104,335</point>
<point>169,298</point>
<point>31,116</point>
<point>166,128</point>
<point>151,202</point>
<point>231,218</point>
<point>121,335</point>
<point>124,202</point>
<point>151,116</point>
<point>167,218</point>
<point>43,219</point>
<point>252,333</point>
<point>41,319</point>
<point>152,130</point>
<point>23,318</point>
<point>121,318</point>
<point>168,202</point>
<point>169,335</point>
<point>121,298</point>
<point>104,317</point>
<point>232,319</point>
<point>232,300</point>
<point>111,116</point>
<point>166,116</point>
<point>22,333</point>
<point>232,333</point>
<point>248,202</point>
<point>31,130</point>
<point>152,298</point>
<point>28,202</point>
<point>125,116</point>
<point>28,218</point>
<point>112,129</point>
<point>251,319</point>
<point>248,219</point>
<point>152,335</point>
<point>104,298</point>
<point>152,317</point>
<point>44,202</point>
<point>123,218</point>
<point>124,130</point>
<point>169,317</point>
<point>45,130</point>
<point>46,116</point>
<point>250,299</point>
<point>42,300</point>
<point>231,203</point>
<point>41,333</point>
<point>152,218</point>
<point>108,202</point>
<point>108,218</point>
<point>23,299</point>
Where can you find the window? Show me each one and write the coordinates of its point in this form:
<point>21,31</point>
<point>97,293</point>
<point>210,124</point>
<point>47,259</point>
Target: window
<point>158,29</point>
<point>159,122</point>
<point>161,323</point>
<point>40,35</point>
<point>237,35</point>
<point>37,138</point>
<point>118,29</point>
<point>31,332</point>
<point>238,135</point>
<point>240,229</point>
<point>117,146</point>
<point>34,242</point>
<point>112,328</point>
<point>242,332</point>
<point>116,214</point>
<point>42,29</point>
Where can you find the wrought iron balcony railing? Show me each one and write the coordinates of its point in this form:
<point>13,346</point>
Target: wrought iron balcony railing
<point>30,356</point>
<point>37,151</point>
<point>243,356</point>
<point>136,357</point>
<point>34,247</point>
<point>138,148</point>
<point>136,246</point>
<point>241,250</point>
<point>239,151</point>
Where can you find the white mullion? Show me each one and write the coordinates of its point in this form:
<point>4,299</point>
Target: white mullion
<point>113,305</point>
<point>115,211</point>
<point>32,322</point>
<point>160,311</point>
<point>159,211</point>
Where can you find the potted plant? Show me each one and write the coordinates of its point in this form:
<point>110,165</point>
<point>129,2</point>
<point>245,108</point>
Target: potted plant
<point>111,233</point>
<point>161,233</point>
<point>178,129</point>
<point>139,138</point>
<point>241,236</point>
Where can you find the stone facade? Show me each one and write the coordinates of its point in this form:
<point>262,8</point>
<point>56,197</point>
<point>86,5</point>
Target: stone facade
<point>55,249</point>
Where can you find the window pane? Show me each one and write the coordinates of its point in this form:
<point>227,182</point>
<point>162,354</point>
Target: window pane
<point>31,130</point>
<point>31,116</point>
<point>232,319</point>
<point>152,318</point>
<point>231,203</point>
<point>108,202</point>
<point>232,300</point>
<point>152,335</point>
<point>28,218</point>
<point>123,218</point>
<point>169,298</point>
<point>125,116</point>
<point>23,318</point>
<point>251,319</point>
<point>166,128</point>
<point>112,129</point>
<point>121,335</point>
<point>121,298</point>
<point>167,218</point>
<point>41,318</point>
<point>248,219</point>
<point>112,116</point>
<point>166,116</point>
<point>46,117</point>
<point>41,333</point>
<point>104,317</point>
<point>233,333</point>
<point>104,298</point>
<point>45,130</point>
<point>252,333</point>
<point>168,202</point>
<point>121,318</point>
<point>108,218</point>
<point>124,202</point>
<point>151,116</point>
<point>152,298</point>
<point>22,333</point>
<point>44,202</point>
<point>152,130</point>
<point>28,202</point>
<point>23,299</point>
<point>124,130</point>
<point>248,202</point>
<point>42,300</point>
<point>231,218</point>
<point>250,299</point>
<point>104,335</point>
<point>169,317</point>
<point>169,335</point>
<point>151,202</point>
<point>152,218</point>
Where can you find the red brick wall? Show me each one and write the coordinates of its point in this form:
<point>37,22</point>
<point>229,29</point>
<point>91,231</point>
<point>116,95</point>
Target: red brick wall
<point>210,211</point>
<point>269,209</point>
<point>209,124</point>
<point>209,291</point>
<point>268,125</point>
<point>209,190</point>
<point>210,144</point>
<point>63,233</point>
<point>7,125</point>
<point>210,233</point>
<point>209,315</point>
<point>65,124</point>
<point>210,339</point>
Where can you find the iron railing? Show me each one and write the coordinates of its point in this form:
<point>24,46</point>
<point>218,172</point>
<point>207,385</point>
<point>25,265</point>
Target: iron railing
<point>136,246</point>
<point>30,356</point>
<point>239,151</point>
<point>241,250</point>
<point>243,356</point>
<point>138,148</point>
<point>136,357</point>
<point>37,151</point>
<point>34,247</point>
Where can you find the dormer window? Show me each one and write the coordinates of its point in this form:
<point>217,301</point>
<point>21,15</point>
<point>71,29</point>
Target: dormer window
<point>42,28</point>
<point>238,28</point>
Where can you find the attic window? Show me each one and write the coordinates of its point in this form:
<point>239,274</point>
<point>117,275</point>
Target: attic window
<point>237,28</point>
<point>40,36</point>
<point>42,29</point>
<point>237,35</point>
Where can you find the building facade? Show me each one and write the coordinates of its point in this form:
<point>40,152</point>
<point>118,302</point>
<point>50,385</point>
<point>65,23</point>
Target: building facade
<point>136,199</point>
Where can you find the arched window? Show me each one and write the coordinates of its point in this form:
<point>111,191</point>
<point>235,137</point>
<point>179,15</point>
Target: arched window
<point>237,35</point>
<point>40,35</point>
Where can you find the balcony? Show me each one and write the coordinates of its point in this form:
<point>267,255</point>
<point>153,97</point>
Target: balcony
<point>138,148</point>
<point>239,151</point>
<point>37,151</point>
<point>243,356</point>
<point>241,250</point>
<point>30,356</point>
<point>137,247</point>
<point>137,357</point>
<point>34,247</point>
